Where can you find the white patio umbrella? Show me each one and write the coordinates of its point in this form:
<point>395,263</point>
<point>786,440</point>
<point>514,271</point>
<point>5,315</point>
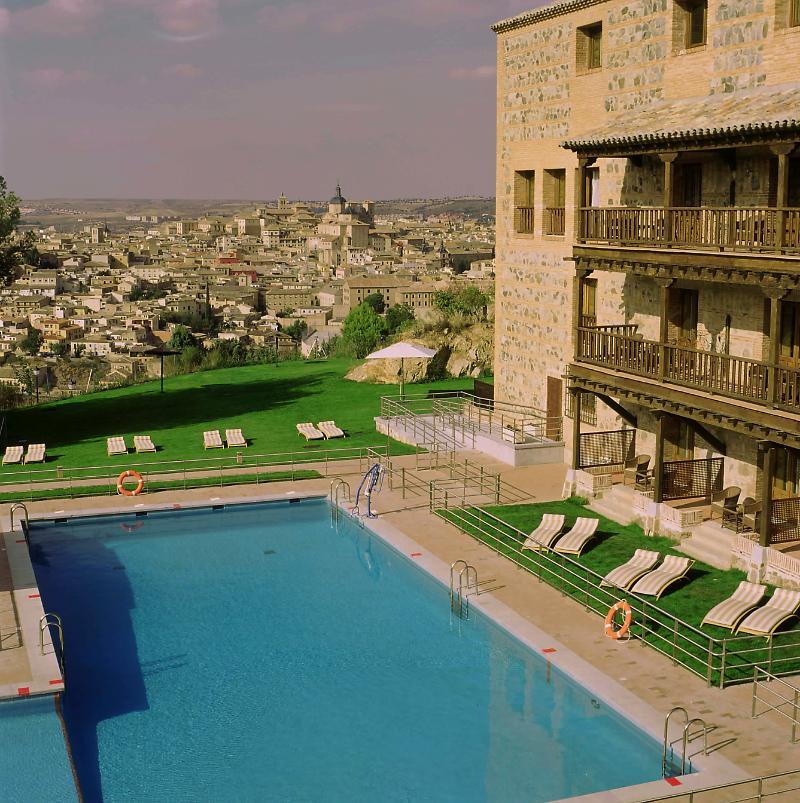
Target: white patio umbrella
<point>401,351</point>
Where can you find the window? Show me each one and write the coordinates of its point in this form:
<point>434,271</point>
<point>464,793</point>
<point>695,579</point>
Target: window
<point>523,201</point>
<point>689,24</point>
<point>555,191</point>
<point>589,305</point>
<point>589,47</point>
<point>787,13</point>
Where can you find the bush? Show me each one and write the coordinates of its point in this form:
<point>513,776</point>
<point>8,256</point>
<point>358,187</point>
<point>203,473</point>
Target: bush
<point>363,329</point>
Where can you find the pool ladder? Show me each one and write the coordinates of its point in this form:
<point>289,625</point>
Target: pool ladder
<point>460,586</point>
<point>337,485</point>
<point>686,737</point>
<point>52,620</point>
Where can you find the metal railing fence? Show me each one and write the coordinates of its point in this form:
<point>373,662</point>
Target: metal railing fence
<point>783,787</point>
<point>782,696</point>
<point>720,661</point>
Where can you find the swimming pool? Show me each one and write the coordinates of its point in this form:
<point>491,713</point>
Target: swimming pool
<point>254,653</point>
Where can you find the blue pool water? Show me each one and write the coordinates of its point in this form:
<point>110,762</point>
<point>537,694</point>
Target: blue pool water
<point>255,653</point>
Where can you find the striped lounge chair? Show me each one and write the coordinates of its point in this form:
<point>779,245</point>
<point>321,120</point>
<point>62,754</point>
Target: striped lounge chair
<point>782,605</point>
<point>655,583</point>
<point>13,455</point>
<point>143,443</point>
<point>234,438</point>
<point>116,446</point>
<point>550,527</point>
<point>626,574</point>
<point>575,541</point>
<point>732,610</point>
<point>212,439</point>
<point>36,453</point>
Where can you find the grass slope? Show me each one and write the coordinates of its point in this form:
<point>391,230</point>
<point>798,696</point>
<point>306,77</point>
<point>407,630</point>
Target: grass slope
<point>264,401</point>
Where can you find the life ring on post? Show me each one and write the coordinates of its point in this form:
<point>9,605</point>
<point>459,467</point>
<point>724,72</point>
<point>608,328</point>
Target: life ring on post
<point>130,491</point>
<point>623,606</point>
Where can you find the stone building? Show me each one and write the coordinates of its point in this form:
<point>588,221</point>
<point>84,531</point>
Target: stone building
<point>648,247</point>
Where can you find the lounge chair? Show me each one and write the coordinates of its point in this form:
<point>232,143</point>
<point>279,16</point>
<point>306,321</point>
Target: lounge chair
<point>575,541</point>
<point>212,439</point>
<point>13,455</point>
<point>36,453</point>
<point>732,610</point>
<point>116,446</point>
<point>310,432</point>
<point>626,574</point>
<point>655,583</point>
<point>234,437</point>
<point>330,430</point>
<point>782,605</point>
<point>723,504</point>
<point>635,469</point>
<point>550,527</point>
<point>143,443</point>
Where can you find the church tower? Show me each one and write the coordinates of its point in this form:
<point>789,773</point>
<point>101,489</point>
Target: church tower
<point>337,204</point>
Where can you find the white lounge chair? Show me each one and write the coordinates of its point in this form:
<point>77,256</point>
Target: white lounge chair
<point>36,453</point>
<point>310,432</point>
<point>234,437</point>
<point>782,605</point>
<point>549,529</point>
<point>642,562</point>
<point>13,455</point>
<point>655,583</point>
<point>732,610</point>
<point>143,443</point>
<point>116,446</point>
<point>330,430</point>
<point>575,541</point>
<point>212,439</point>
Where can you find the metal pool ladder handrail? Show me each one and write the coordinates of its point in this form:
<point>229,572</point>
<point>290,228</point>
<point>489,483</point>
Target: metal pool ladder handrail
<point>15,507</point>
<point>337,484</point>
<point>44,623</point>
<point>666,746</point>
<point>685,740</point>
<point>459,600</point>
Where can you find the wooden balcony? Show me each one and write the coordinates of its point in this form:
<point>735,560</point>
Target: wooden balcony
<point>619,348</point>
<point>523,222</point>
<point>748,229</point>
<point>555,218</point>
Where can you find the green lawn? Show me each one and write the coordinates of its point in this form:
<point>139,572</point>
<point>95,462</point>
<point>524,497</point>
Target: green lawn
<point>688,601</point>
<point>264,401</point>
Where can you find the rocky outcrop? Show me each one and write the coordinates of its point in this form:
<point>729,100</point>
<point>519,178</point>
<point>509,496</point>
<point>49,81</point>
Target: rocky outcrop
<point>466,352</point>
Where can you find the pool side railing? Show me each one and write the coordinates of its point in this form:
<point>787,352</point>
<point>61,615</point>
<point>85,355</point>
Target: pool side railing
<point>719,661</point>
<point>783,786</point>
<point>72,482</point>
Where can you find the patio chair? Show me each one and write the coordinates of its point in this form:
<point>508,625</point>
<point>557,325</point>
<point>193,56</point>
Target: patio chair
<point>751,516</point>
<point>116,446</point>
<point>330,430</point>
<point>13,455</point>
<point>635,469</point>
<point>732,610</point>
<point>212,440</point>
<point>782,605</point>
<point>545,534</point>
<point>723,503</point>
<point>642,562</point>
<point>36,453</point>
<point>655,583</point>
<point>143,443</point>
<point>310,432</point>
<point>234,438</point>
<point>575,541</point>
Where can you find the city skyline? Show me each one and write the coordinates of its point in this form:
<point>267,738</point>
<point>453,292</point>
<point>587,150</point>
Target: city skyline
<point>193,99</point>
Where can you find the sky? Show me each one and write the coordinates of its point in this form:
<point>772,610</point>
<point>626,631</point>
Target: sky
<point>248,98</point>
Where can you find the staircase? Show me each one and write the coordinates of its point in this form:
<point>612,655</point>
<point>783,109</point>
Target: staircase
<point>711,543</point>
<point>617,504</point>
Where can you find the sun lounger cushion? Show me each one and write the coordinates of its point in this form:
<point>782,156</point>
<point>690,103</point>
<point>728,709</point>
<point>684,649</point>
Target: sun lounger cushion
<point>574,542</point>
<point>732,610</point>
<point>143,443</point>
<point>655,583</point>
<point>13,454</point>
<point>36,453</point>
<point>642,562</point>
<point>330,430</point>
<point>782,605</point>
<point>116,446</point>
<point>546,533</point>
<point>310,432</point>
<point>234,437</point>
<point>212,439</point>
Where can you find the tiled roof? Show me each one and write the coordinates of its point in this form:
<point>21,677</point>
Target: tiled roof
<point>543,13</point>
<point>744,116</point>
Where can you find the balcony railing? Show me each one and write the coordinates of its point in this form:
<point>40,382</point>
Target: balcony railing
<point>555,220</point>
<point>723,229</point>
<point>724,374</point>
<point>524,219</point>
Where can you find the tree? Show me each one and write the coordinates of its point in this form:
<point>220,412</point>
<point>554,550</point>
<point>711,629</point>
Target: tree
<point>296,329</point>
<point>468,301</point>
<point>398,317</point>
<point>13,251</point>
<point>375,300</point>
<point>32,341</point>
<point>61,349</point>
<point>26,377</point>
<point>362,330</point>
<point>181,339</point>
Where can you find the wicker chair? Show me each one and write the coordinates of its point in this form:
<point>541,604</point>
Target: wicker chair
<point>724,502</point>
<point>635,469</point>
<point>751,516</point>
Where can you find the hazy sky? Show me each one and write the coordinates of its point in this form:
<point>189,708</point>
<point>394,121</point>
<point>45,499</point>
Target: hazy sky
<point>246,98</point>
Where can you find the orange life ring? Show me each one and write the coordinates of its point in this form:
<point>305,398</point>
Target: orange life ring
<point>130,491</point>
<point>623,606</point>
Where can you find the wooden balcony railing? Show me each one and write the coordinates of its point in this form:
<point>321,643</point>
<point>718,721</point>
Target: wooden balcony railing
<point>724,374</point>
<point>555,220</point>
<point>724,228</point>
<point>524,219</point>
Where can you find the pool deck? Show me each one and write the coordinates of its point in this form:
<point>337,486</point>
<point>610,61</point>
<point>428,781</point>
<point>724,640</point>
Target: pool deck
<point>641,683</point>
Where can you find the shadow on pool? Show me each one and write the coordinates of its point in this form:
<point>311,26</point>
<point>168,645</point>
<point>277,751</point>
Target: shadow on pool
<point>104,678</point>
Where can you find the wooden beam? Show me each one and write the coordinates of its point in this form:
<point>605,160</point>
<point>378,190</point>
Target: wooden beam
<point>768,474</point>
<point>708,436</point>
<point>625,415</point>
<point>658,468</point>
<point>576,426</point>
